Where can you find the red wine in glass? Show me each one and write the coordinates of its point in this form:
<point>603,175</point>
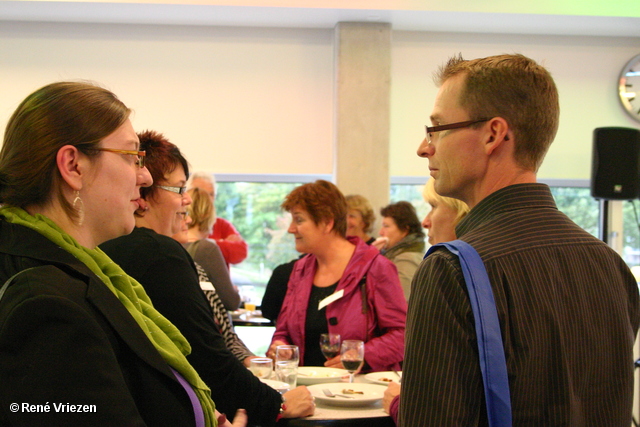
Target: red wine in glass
<point>351,365</point>
<point>330,345</point>
<point>352,356</point>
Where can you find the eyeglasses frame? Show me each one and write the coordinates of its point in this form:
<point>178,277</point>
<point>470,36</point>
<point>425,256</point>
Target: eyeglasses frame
<point>450,126</point>
<point>177,190</point>
<point>140,154</point>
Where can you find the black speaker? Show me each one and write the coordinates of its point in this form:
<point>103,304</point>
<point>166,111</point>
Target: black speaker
<point>615,166</point>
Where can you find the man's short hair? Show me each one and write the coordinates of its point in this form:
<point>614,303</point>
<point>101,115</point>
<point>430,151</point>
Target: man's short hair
<point>515,88</point>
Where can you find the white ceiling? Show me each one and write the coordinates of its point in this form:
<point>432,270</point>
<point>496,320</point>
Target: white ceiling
<point>246,13</point>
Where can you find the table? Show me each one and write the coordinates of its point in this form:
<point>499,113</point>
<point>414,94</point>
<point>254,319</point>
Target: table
<point>336,416</point>
<point>240,317</point>
<point>370,416</point>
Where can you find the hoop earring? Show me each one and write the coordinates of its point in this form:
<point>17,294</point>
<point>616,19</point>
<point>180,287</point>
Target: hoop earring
<point>78,206</point>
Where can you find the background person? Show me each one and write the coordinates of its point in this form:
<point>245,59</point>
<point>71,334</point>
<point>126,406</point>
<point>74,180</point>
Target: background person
<point>567,303</point>
<point>233,247</point>
<point>276,290</point>
<point>346,266</point>
<point>220,314</point>
<point>360,218</point>
<point>169,276</point>
<point>75,328</point>
<point>444,215</point>
<point>441,222</point>
<point>205,251</point>
<point>402,240</point>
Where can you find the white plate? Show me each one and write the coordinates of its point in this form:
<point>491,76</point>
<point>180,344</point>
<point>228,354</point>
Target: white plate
<point>371,393</point>
<point>377,377</point>
<point>276,385</point>
<point>309,375</point>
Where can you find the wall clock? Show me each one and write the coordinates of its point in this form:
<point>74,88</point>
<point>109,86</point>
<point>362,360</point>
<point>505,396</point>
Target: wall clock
<point>629,87</point>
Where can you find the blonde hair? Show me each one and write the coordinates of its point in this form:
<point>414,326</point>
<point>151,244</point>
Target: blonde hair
<point>201,210</point>
<point>360,203</point>
<point>430,196</point>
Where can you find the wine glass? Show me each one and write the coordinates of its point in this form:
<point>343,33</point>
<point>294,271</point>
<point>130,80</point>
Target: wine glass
<point>352,356</point>
<point>330,345</point>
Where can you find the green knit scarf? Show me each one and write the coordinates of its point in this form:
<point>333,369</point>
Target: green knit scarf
<point>167,339</point>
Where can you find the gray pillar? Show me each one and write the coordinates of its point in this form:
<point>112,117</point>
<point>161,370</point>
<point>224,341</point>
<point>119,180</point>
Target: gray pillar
<point>362,117</point>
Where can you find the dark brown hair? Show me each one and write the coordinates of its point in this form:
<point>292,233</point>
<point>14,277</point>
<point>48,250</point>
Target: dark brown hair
<point>323,201</point>
<point>404,215</point>
<point>65,113</point>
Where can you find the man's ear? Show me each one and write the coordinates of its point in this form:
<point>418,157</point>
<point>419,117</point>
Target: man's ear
<point>498,133</point>
<point>72,166</point>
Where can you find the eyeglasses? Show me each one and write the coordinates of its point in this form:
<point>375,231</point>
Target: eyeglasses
<point>178,190</point>
<point>139,154</point>
<point>458,125</point>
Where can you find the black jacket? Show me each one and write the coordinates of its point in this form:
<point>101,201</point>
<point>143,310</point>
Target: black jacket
<point>168,274</point>
<point>65,339</point>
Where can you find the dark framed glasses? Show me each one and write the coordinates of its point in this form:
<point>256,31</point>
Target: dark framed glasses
<point>459,125</point>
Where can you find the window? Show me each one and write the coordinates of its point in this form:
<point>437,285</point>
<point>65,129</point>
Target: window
<point>631,235</point>
<point>411,193</point>
<point>252,204</point>
<point>577,204</point>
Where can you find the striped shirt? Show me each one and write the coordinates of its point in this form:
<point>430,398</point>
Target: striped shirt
<point>569,312</point>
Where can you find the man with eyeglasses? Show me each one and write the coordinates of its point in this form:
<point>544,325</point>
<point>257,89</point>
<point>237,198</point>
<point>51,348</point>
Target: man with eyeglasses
<point>567,304</point>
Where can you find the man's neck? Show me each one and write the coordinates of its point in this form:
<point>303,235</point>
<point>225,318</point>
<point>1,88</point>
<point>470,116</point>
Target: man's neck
<point>495,182</point>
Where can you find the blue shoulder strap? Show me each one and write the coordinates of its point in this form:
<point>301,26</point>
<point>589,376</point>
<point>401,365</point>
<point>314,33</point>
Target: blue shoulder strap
<point>490,348</point>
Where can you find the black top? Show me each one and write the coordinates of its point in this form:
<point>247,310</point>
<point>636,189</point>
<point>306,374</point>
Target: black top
<point>65,338</point>
<point>315,325</point>
<point>168,274</point>
<point>276,290</point>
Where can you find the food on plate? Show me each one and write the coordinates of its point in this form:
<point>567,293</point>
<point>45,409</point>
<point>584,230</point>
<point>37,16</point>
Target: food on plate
<point>349,391</point>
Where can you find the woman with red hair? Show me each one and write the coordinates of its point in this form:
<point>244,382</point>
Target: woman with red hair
<point>341,286</point>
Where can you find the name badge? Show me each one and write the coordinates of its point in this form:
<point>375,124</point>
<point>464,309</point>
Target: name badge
<point>331,298</point>
<point>207,286</point>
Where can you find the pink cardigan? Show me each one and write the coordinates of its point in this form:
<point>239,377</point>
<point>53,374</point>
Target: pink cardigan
<point>381,327</point>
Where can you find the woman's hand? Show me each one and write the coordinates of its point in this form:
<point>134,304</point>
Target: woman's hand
<point>272,349</point>
<point>334,362</point>
<point>380,243</point>
<point>240,420</point>
<point>299,403</point>
<point>390,393</point>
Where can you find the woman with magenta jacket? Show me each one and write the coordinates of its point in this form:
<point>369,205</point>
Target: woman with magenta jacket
<point>367,302</point>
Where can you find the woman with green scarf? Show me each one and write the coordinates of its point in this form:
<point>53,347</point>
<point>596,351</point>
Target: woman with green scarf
<point>80,341</point>
<point>402,240</point>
